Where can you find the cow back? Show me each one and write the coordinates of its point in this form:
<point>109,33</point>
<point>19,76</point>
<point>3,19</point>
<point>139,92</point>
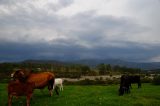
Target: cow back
<point>40,79</point>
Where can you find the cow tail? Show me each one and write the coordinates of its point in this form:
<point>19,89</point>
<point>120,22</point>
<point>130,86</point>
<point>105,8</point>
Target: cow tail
<point>51,83</point>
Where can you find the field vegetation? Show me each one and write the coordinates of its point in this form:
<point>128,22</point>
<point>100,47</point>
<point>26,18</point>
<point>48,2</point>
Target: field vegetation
<point>90,95</point>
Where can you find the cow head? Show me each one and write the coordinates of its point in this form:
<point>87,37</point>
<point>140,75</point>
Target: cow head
<point>18,75</point>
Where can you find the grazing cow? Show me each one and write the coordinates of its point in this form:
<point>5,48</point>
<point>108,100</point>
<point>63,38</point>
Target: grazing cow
<point>126,82</point>
<point>124,85</point>
<point>58,83</point>
<point>41,79</point>
<point>16,88</point>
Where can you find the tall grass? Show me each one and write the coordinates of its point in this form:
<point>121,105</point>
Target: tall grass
<point>148,95</point>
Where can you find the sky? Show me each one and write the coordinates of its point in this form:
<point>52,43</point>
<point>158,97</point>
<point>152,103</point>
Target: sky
<point>80,29</point>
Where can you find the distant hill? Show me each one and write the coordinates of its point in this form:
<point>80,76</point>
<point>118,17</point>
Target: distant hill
<point>43,62</point>
<point>144,66</point>
<point>94,62</point>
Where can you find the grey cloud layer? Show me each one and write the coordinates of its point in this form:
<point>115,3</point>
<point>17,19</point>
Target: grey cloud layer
<point>28,32</point>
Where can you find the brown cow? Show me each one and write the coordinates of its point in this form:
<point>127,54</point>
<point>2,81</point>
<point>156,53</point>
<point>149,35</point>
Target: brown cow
<point>16,88</point>
<point>41,79</point>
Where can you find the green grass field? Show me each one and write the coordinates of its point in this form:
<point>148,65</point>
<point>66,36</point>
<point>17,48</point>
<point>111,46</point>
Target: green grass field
<point>148,95</point>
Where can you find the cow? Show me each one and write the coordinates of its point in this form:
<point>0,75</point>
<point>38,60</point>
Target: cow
<point>126,81</point>
<point>58,83</point>
<point>17,88</point>
<point>41,79</point>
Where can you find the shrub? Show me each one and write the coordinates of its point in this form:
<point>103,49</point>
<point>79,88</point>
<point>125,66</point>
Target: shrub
<point>156,80</point>
<point>97,81</point>
<point>96,78</point>
<point>146,80</point>
<point>101,78</point>
<point>87,82</point>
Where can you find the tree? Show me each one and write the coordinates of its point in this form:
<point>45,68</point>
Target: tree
<point>102,69</point>
<point>85,69</point>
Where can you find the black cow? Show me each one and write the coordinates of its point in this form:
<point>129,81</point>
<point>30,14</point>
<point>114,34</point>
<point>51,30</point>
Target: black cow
<point>126,82</point>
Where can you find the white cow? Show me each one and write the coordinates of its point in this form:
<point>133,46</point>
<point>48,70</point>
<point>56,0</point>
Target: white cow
<point>58,83</point>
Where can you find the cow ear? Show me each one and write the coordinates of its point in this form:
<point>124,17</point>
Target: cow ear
<point>19,73</point>
<point>12,74</point>
<point>22,73</point>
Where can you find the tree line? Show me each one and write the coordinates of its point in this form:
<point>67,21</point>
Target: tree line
<point>68,70</point>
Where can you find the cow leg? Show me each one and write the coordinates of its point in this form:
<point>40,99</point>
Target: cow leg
<point>10,99</point>
<point>50,90</point>
<point>61,87</point>
<point>56,89</point>
<point>128,90</point>
<point>139,84</point>
<point>121,91</point>
<point>130,85</point>
<point>28,99</point>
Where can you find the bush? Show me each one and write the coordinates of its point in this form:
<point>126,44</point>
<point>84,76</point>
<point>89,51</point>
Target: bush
<point>4,78</point>
<point>97,81</point>
<point>156,80</point>
<point>146,80</point>
<point>87,82</point>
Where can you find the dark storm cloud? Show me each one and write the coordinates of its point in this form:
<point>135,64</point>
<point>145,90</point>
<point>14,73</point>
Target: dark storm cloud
<point>19,51</point>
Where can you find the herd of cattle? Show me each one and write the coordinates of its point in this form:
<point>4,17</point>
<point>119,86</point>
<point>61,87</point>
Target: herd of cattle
<point>24,82</point>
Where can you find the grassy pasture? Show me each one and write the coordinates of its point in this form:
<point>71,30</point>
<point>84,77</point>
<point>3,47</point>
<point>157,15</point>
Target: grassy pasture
<point>148,95</point>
